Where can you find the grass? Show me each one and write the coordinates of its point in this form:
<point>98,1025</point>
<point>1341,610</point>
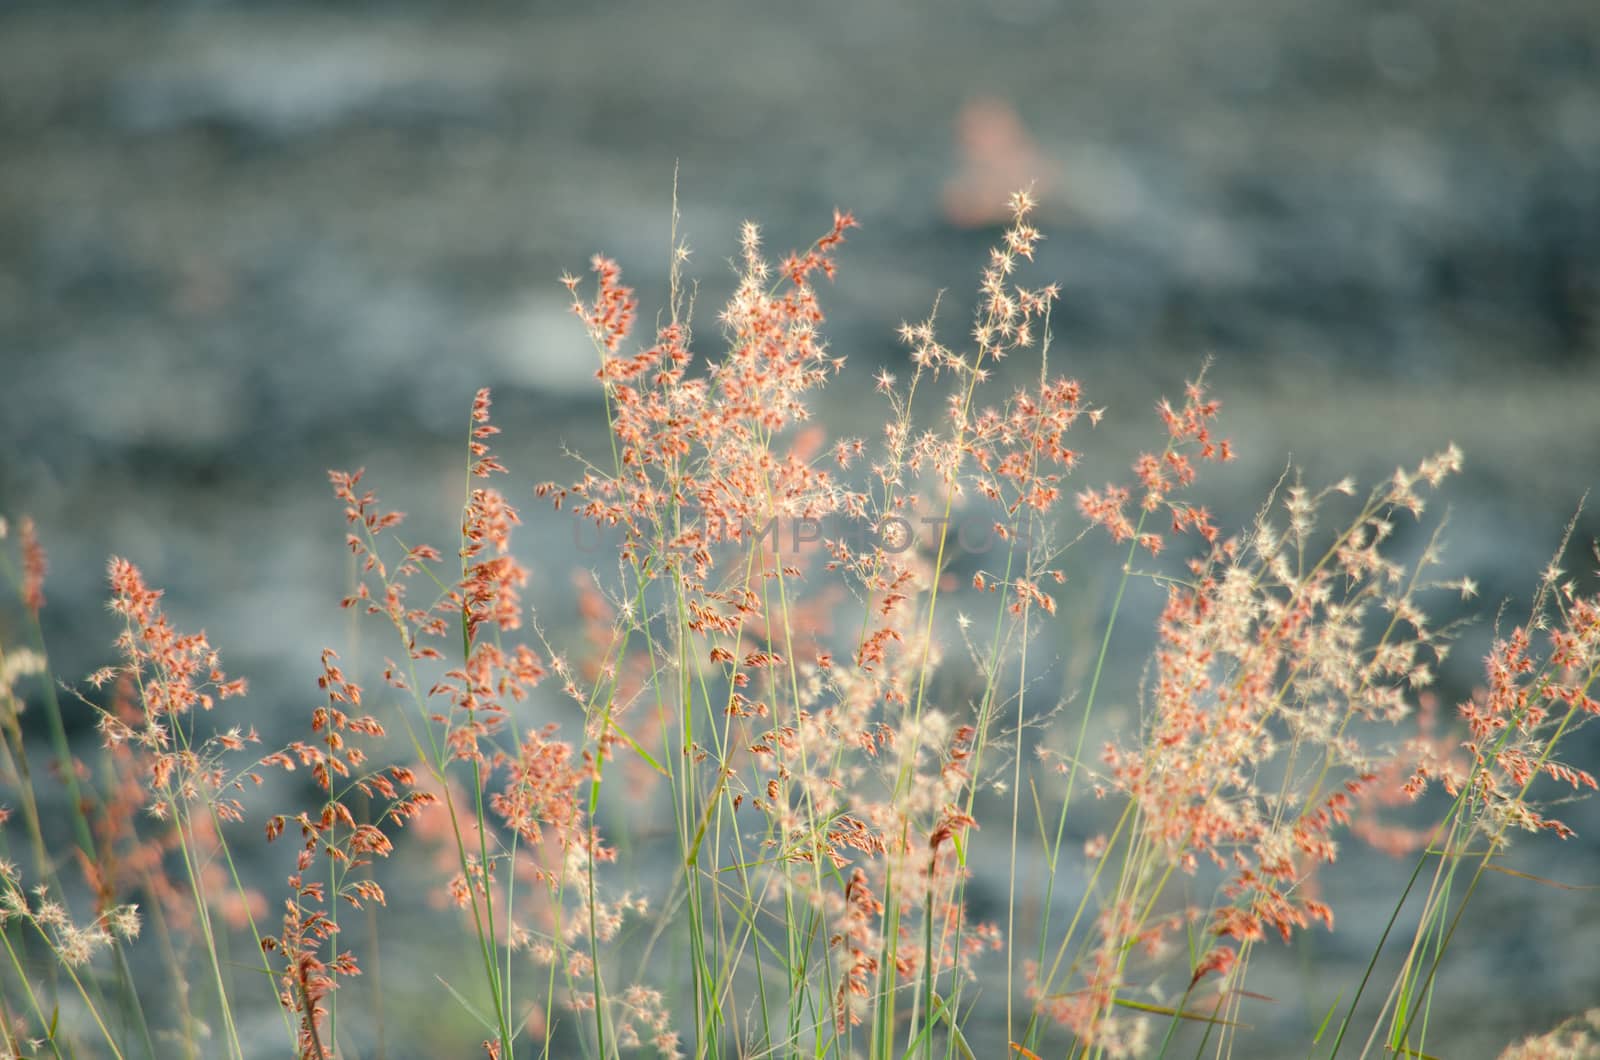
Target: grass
<point>813,665</point>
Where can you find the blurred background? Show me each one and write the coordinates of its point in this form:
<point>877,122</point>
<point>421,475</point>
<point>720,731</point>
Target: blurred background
<point>242,244</point>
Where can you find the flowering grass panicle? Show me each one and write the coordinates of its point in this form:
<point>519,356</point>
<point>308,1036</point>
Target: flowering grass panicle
<point>174,673</point>
<point>343,844</point>
<point>1577,1038</point>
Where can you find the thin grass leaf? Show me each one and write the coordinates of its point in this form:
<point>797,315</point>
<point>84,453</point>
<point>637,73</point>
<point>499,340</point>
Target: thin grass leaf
<point>471,1010</point>
<point>1417,1053</point>
<point>1323,1027</point>
<point>1164,1010</point>
<point>1541,879</point>
<point>640,751</point>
